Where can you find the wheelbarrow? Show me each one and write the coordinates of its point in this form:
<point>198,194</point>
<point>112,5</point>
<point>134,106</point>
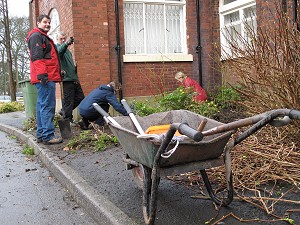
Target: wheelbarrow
<point>153,156</point>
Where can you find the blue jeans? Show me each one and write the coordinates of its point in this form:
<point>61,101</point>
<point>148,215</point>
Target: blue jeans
<point>45,110</point>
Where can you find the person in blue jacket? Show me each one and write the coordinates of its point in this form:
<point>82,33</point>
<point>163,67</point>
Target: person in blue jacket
<point>104,95</point>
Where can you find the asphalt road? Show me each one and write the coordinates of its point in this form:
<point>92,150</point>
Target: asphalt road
<point>29,194</point>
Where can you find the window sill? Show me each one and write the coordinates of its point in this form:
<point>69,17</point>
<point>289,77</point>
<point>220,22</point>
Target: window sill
<point>158,58</point>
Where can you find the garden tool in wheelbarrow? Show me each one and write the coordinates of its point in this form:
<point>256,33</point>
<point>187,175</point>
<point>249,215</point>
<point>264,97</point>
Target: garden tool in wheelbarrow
<point>64,124</point>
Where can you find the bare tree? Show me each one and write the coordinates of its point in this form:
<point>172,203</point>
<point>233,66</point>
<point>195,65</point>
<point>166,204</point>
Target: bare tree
<point>6,42</point>
<point>19,27</point>
<point>19,68</point>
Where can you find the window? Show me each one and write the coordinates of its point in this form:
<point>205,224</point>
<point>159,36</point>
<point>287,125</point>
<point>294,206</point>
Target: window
<point>154,27</point>
<point>55,24</point>
<point>237,21</point>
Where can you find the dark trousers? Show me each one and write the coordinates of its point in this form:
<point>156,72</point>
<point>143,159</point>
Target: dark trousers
<point>95,116</point>
<point>73,95</point>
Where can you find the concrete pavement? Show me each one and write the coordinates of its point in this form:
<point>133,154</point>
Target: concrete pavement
<point>102,210</point>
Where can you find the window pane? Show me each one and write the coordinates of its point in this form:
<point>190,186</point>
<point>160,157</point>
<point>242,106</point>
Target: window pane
<point>155,40</point>
<point>173,31</point>
<point>250,12</point>
<point>231,33</point>
<point>134,28</point>
<point>154,28</point>
<point>228,1</point>
<point>232,17</point>
<point>250,30</point>
<point>55,24</point>
<point>239,26</point>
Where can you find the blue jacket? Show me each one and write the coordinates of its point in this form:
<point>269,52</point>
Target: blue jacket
<point>101,95</point>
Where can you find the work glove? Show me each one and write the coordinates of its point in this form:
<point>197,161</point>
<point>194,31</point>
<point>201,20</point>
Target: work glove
<point>62,73</point>
<point>70,41</point>
<point>43,78</point>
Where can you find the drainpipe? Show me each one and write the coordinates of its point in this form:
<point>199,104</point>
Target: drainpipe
<point>284,6</point>
<point>295,7</point>
<point>118,48</point>
<point>199,48</point>
<point>30,14</point>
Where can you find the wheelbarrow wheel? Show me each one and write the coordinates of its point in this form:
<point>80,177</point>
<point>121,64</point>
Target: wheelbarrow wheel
<point>139,175</point>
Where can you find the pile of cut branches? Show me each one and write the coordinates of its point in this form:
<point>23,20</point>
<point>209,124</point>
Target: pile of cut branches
<point>266,171</point>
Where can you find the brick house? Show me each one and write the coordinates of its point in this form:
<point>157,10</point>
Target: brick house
<point>143,43</point>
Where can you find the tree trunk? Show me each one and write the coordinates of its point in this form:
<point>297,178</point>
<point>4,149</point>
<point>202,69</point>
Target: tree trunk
<point>7,42</point>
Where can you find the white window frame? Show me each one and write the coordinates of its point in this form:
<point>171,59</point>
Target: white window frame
<point>160,56</point>
<point>235,6</point>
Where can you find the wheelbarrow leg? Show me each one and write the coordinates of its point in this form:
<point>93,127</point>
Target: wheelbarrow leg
<point>149,196</point>
<point>152,178</point>
<point>228,173</point>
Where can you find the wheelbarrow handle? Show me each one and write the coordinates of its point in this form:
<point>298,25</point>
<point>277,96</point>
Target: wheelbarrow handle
<point>294,114</point>
<point>185,129</point>
<point>100,110</point>
<point>132,117</point>
<point>291,114</point>
<point>126,106</point>
<point>105,115</point>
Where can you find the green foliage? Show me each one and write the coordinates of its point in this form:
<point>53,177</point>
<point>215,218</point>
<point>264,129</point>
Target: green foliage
<point>11,107</point>
<point>27,150</point>
<point>180,98</point>
<point>290,221</point>
<point>56,118</point>
<point>104,140</point>
<point>145,108</point>
<point>29,124</point>
<point>99,140</point>
<point>207,108</point>
<point>227,96</point>
<point>80,141</point>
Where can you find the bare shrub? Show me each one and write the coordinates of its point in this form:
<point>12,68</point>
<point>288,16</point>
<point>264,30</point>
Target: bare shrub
<point>267,66</point>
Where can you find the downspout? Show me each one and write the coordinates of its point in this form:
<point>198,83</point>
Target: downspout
<point>30,14</point>
<point>199,48</point>
<point>284,6</point>
<point>295,8</point>
<point>118,48</point>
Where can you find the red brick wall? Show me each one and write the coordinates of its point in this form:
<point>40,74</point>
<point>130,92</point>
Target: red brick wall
<point>92,23</point>
<point>91,43</point>
<point>139,79</point>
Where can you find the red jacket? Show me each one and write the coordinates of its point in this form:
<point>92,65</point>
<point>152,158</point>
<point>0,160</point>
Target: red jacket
<point>189,82</point>
<point>44,59</point>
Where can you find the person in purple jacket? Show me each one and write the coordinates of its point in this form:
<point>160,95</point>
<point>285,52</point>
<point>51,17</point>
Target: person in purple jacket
<point>104,95</point>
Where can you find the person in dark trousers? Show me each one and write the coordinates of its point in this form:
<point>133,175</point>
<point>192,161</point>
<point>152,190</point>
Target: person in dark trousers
<point>104,95</point>
<point>44,73</point>
<point>72,91</point>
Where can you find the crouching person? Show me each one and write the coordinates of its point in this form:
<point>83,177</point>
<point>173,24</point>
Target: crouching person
<point>104,95</point>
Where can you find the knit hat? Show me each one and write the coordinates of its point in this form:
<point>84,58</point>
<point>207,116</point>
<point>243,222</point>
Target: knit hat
<point>113,85</point>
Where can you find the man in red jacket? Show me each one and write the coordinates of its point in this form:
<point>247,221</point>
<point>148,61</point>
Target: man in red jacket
<point>44,72</point>
<point>189,82</point>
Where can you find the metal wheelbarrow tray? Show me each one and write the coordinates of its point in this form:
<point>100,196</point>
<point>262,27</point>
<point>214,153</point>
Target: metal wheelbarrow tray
<point>206,149</point>
<point>143,151</point>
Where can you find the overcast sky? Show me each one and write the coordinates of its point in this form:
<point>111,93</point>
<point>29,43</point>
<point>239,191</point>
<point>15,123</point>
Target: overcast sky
<point>18,7</point>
